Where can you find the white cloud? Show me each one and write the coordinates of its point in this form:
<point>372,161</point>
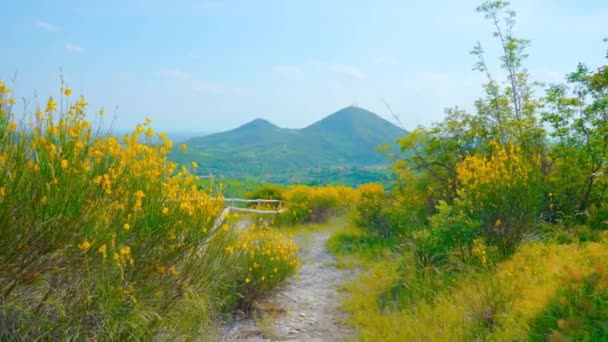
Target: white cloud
<point>287,71</point>
<point>342,69</point>
<point>47,26</point>
<point>177,74</point>
<point>73,48</point>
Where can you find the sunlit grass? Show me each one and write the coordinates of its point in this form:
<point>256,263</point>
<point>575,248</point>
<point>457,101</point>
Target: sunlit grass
<point>507,302</point>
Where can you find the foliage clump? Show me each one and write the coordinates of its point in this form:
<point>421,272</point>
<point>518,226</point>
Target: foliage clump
<point>105,237</point>
<point>499,214</point>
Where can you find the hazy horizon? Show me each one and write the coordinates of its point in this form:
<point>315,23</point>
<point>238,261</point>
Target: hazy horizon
<point>211,66</point>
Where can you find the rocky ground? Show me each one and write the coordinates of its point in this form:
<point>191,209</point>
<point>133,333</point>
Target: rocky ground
<point>306,308</point>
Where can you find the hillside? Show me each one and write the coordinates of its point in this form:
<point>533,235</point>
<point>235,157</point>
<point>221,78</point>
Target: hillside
<point>344,142</point>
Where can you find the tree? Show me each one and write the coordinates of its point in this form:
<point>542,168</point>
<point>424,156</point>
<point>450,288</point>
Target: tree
<point>507,112</point>
<point>578,115</point>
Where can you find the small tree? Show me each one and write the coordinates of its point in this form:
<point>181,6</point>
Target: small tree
<point>578,114</point>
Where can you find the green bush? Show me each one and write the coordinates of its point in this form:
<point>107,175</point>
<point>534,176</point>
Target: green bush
<point>450,231</point>
<point>598,218</point>
<point>372,210</point>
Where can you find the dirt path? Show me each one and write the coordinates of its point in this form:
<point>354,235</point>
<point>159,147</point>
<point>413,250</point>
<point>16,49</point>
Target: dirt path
<point>306,308</point>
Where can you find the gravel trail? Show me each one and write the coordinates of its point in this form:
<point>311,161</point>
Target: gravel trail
<point>306,308</point>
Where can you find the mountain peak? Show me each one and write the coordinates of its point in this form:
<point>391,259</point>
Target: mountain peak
<point>352,118</point>
<point>256,125</point>
<point>346,138</point>
<point>353,112</point>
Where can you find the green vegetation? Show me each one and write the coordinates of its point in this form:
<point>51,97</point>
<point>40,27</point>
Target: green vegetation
<point>307,204</point>
<point>495,228</point>
<point>340,149</point>
<point>489,225</point>
<point>103,239</point>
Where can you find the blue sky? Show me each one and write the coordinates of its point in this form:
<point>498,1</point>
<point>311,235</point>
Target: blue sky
<point>211,65</point>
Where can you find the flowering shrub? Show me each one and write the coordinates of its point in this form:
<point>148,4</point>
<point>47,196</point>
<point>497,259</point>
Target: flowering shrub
<point>103,237</point>
<point>273,192</point>
<point>315,204</point>
<point>370,210</point>
<point>504,191</point>
<point>266,258</point>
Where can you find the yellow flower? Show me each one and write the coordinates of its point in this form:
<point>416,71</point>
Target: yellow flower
<point>195,165</point>
<point>67,92</point>
<point>247,280</point>
<point>64,164</point>
<point>51,105</point>
<point>43,200</point>
<point>101,112</point>
<point>11,101</point>
<point>84,245</point>
<point>126,226</point>
<point>103,249</point>
<point>172,270</point>
<point>2,192</point>
<point>12,126</point>
<point>168,144</point>
<point>81,102</point>
<point>149,132</point>
<point>126,250</point>
<point>165,211</point>
<point>183,147</point>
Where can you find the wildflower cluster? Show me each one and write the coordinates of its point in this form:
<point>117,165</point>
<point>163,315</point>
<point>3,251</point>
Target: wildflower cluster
<point>105,229</point>
<point>315,204</point>
<point>503,190</point>
<point>266,258</point>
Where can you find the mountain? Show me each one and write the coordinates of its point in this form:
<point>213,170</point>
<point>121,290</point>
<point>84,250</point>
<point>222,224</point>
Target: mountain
<point>344,141</point>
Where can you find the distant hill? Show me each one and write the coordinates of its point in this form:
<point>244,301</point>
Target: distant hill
<point>344,142</point>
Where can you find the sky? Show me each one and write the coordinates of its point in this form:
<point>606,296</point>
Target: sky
<point>212,65</point>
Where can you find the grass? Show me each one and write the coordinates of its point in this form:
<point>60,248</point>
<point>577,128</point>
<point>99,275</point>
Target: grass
<point>545,290</point>
<point>264,321</point>
<point>353,247</point>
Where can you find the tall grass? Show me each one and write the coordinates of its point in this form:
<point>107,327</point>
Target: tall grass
<point>545,291</point>
<point>101,237</point>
